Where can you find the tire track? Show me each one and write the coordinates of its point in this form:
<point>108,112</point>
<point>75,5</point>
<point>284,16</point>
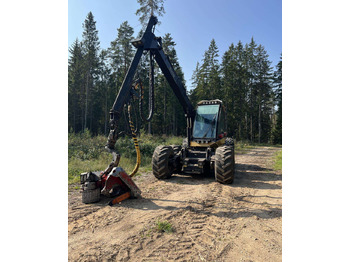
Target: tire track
<point>212,222</point>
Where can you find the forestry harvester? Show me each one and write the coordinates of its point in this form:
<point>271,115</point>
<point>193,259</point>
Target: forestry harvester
<point>206,147</point>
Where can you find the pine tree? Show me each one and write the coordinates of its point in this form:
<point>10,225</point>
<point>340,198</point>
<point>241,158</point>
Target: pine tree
<point>148,8</point>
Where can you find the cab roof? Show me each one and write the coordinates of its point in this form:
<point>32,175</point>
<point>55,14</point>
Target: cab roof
<point>209,102</point>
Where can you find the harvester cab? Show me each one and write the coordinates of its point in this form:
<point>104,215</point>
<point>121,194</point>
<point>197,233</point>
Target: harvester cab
<point>209,123</point>
<point>209,149</point>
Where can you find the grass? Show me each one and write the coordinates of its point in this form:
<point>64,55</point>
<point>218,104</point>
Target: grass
<point>278,161</point>
<point>242,147</point>
<point>86,153</point>
<point>77,166</point>
<point>159,226</point>
<point>164,226</point>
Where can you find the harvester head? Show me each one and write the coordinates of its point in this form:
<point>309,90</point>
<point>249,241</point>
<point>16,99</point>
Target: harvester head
<point>114,184</point>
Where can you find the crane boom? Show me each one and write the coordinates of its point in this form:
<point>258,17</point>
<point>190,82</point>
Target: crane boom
<point>153,44</point>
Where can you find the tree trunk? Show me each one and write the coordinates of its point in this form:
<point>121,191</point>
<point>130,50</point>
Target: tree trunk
<point>259,122</point>
<point>246,126</point>
<point>74,110</point>
<point>86,101</point>
<point>91,117</point>
<point>251,128</point>
<point>239,131</point>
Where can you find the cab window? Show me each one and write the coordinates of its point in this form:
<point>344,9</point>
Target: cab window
<point>206,121</point>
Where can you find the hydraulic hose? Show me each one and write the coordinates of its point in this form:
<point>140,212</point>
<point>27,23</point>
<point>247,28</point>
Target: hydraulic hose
<point>136,143</point>
<point>151,87</point>
<point>141,100</point>
<point>151,93</point>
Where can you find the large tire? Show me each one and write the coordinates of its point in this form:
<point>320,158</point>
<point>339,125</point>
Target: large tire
<point>162,168</point>
<point>177,164</point>
<point>229,141</point>
<point>176,149</point>
<point>225,164</point>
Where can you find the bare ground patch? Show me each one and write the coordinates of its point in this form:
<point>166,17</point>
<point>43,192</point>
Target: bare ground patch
<point>211,221</point>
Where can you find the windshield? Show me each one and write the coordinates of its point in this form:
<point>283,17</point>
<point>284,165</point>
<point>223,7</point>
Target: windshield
<point>205,121</point>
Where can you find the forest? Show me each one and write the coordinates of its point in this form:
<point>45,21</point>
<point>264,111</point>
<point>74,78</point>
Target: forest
<point>243,78</point>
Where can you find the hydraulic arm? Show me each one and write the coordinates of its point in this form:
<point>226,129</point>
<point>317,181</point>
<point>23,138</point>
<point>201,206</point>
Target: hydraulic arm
<point>153,44</point>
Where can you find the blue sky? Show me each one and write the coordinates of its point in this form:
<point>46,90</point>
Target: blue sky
<point>191,23</point>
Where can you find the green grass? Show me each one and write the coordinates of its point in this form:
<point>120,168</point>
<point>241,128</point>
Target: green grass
<point>87,153</point>
<point>278,161</point>
<point>164,226</point>
<point>242,147</point>
<point>77,166</point>
<point>158,227</point>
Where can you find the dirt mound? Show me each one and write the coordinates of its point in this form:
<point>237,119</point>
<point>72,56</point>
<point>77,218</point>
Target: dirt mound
<point>211,221</point>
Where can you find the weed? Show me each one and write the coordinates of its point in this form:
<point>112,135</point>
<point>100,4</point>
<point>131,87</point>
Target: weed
<point>164,226</point>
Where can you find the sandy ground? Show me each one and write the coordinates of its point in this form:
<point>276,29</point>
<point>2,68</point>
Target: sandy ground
<point>211,221</point>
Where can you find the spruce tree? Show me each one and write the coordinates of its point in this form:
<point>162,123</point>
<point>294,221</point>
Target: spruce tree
<point>121,51</point>
<point>234,88</point>
<point>277,132</point>
<point>264,94</point>
<point>75,86</point>
<point>252,92</point>
<point>104,86</point>
<point>208,76</point>
<point>172,109</point>
<point>91,46</point>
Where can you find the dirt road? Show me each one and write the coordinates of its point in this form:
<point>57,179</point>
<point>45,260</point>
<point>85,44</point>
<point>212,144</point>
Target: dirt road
<point>211,221</point>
